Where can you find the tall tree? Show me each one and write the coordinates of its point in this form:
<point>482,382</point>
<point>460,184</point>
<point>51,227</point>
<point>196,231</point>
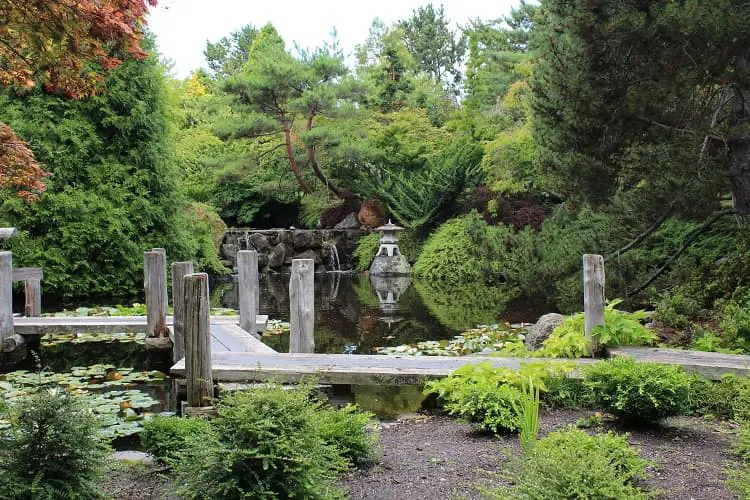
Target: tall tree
<point>277,94</point>
<point>648,100</point>
<point>228,55</point>
<point>437,49</point>
<point>67,46</point>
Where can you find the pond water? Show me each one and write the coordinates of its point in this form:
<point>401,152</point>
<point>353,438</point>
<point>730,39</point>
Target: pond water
<point>355,313</point>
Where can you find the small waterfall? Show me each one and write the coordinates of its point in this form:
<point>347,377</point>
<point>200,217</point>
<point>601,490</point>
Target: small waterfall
<point>335,262</point>
<point>247,241</point>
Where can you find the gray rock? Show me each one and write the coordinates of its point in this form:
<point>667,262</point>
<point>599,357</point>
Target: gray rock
<point>277,256</point>
<point>133,457</point>
<point>542,329</point>
<point>260,242</point>
<point>229,251</point>
<point>309,254</point>
<point>302,239</point>
<point>350,222</point>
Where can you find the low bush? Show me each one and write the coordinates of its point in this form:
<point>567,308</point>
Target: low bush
<point>638,392</point>
<point>348,430</point>
<point>367,247</point>
<point>565,392</point>
<point>727,398</point>
<point>572,464</point>
<point>273,443</point>
<point>49,448</point>
<point>167,438</point>
<point>489,397</point>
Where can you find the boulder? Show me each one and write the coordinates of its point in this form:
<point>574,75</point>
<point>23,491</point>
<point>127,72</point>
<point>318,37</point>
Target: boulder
<point>260,242</point>
<point>351,221</point>
<point>277,256</point>
<point>229,251</point>
<point>305,239</point>
<point>309,254</point>
<point>542,329</point>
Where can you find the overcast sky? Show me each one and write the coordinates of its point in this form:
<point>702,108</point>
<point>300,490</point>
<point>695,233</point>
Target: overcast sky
<point>183,26</point>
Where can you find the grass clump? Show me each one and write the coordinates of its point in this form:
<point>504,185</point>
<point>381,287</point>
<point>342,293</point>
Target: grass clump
<point>49,447</point>
<point>572,464</point>
<point>638,392</point>
<point>273,443</point>
<point>167,438</point>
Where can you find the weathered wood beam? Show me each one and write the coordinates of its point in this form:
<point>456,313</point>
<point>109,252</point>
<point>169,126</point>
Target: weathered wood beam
<point>200,386</point>
<point>27,273</point>
<point>593,298</point>
<point>179,271</point>
<point>247,277</point>
<point>8,232</point>
<point>155,286</point>
<point>302,307</point>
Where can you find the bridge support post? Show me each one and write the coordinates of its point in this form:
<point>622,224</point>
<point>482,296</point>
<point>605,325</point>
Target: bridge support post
<point>200,385</point>
<point>155,286</point>
<point>247,277</point>
<point>593,298</point>
<point>302,307</point>
<point>179,271</point>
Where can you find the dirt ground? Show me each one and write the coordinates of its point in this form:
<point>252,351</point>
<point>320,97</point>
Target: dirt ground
<point>432,456</point>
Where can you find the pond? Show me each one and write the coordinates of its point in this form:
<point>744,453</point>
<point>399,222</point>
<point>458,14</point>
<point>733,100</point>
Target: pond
<point>356,314</point>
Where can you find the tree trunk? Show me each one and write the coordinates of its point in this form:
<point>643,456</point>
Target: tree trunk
<point>293,160</point>
<point>313,162</point>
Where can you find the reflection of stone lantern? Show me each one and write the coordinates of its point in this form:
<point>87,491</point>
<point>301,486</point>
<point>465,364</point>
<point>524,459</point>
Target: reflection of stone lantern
<point>389,261</point>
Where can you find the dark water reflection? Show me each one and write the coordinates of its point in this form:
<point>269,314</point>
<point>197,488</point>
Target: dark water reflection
<point>352,315</point>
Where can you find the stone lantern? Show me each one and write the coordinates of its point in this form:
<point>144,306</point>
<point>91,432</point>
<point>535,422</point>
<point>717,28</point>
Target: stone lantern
<point>389,261</point>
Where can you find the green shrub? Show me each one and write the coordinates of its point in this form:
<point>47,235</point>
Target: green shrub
<point>490,397</point>
<point>570,464</point>
<point>568,340</point>
<point>367,247</point>
<point>738,476</point>
<point>638,392</point>
<point>272,443</point>
<point>167,438</point>
<point>348,429</point>
<point>566,392</point>
<point>727,398</point>
<point>676,309</point>
<point>463,250</point>
<point>50,448</point>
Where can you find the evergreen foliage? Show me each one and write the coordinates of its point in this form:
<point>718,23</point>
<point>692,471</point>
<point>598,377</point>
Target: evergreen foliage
<point>113,191</point>
<point>51,448</point>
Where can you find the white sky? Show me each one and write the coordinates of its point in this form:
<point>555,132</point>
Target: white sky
<point>183,26</point>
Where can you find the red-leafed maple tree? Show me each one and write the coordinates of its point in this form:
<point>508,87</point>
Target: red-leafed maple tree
<point>67,46</point>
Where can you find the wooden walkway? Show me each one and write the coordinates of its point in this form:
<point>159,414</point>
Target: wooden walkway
<point>106,324</point>
<point>231,366</point>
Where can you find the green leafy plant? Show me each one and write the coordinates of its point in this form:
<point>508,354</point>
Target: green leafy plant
<point>49,447</point>
<point>571,464</point>
<point>490,397</point>
<point>167,438</point>
<point>638,392</point>
<point>273,443</point>
<point>568,340</point>
<point>367,247</point>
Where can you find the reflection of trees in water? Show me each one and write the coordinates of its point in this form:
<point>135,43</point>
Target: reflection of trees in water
<point>461,307</point>
<point>389,400</point>
<point>347,312</point>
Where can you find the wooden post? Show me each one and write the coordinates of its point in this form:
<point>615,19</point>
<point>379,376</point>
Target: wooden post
<point>593,297</point>
<point>6,297</point>
<point>33,301</point>
<point>247,270</point>
<point>179,271</point>
<point>155,285</point>
<point>302,306</point>
<point>200,385</point>
<point>8,232</point>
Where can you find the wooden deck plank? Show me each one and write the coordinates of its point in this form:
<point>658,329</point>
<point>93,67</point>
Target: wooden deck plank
<point>344,368</point>
<point>410,370</point>
<point>105,324</point>
<point>237,339</point>
<point>709,364</point>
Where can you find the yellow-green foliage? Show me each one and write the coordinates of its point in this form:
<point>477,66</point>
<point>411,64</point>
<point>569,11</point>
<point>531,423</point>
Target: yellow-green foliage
<point>491,397</point>
<point>572,464</point>
<point>367,247</point>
